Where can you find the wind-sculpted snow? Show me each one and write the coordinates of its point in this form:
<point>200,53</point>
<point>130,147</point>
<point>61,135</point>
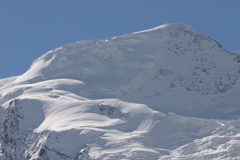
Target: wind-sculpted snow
<point>165,93</point>
<point>54,123</point>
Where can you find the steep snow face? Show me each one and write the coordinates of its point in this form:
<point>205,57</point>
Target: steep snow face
<point>171,68</point>
<point>111,98</point>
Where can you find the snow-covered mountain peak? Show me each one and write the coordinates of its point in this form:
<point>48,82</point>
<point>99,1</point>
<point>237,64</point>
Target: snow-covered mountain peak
<point>154,94</point>
<point>85,55</point>
<point>150,67</point>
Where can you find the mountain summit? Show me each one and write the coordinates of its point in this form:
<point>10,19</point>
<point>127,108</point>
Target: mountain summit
<point>150,67</point>
<point>145,95</point>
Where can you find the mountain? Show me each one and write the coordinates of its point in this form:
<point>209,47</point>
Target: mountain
<point>165,93</point>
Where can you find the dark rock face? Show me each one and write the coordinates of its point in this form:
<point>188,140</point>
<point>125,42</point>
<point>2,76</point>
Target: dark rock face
<point>11,141</point>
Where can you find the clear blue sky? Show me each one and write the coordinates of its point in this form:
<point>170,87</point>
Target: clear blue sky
<point>30,28</point>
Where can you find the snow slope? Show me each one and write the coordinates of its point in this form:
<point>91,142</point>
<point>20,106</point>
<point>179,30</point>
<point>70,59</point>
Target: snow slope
<point>165,93</point>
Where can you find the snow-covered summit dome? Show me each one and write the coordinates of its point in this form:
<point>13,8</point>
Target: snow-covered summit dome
<point>85,57</point>
<point>172,60</point>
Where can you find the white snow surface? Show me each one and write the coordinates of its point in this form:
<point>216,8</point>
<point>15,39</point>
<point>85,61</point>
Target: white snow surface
<point>165,93</point>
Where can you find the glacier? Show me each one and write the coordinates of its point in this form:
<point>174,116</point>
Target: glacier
<point>169,92</point>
